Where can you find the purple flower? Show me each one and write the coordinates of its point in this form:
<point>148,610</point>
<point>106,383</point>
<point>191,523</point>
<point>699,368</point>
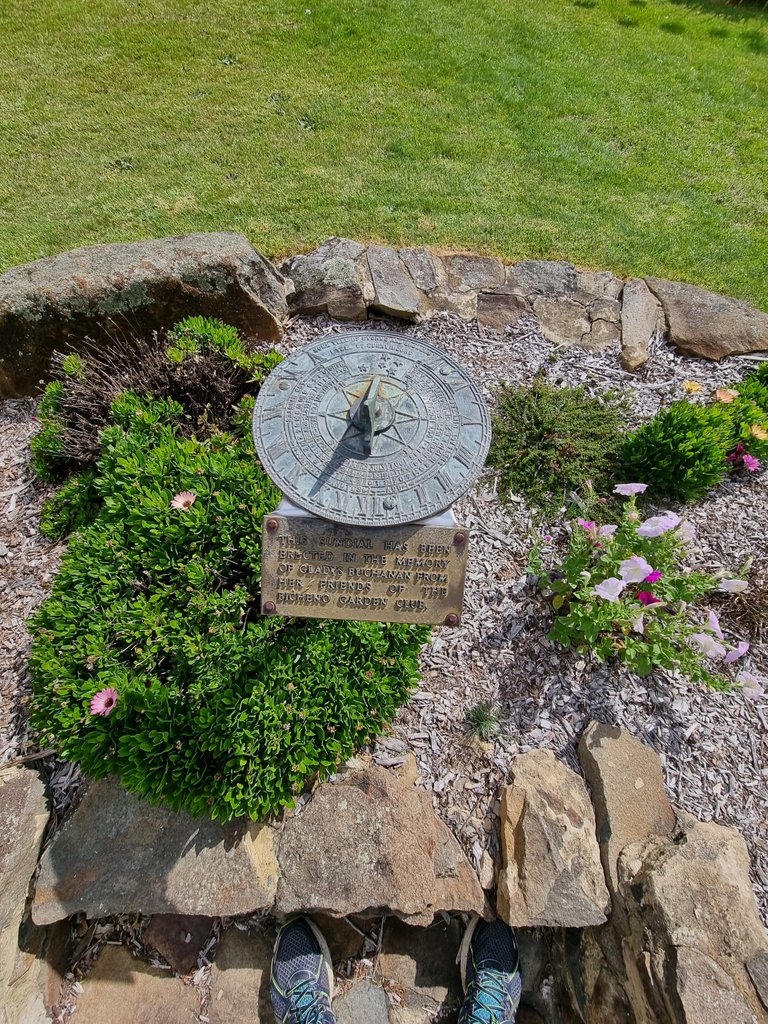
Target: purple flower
<point>738,651</point>
<point>713,625</point>
<point>750,685</point>
<point>646,597</point>
<point>587,524</point>
<point>634,569</point>
<point>610,589</point>
<point>708,645</point>
<point>629,489</point>
<point>733,586</point>
<point>657,525</point>
<point>653,577</point>
<point>737,454</point>
<point>548,538</point>
<point>608,530</point>
<point>751,464</point>
<point>638,623</point>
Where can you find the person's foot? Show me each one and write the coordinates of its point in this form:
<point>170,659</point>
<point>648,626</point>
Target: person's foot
<point>490,973</point>
<point>302,975</point>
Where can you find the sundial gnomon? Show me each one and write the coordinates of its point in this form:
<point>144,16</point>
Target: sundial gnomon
<point>371,428</point>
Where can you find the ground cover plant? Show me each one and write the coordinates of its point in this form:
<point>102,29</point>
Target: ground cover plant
<point>616,133</point>
<point>687,449</point>
<point>150,659</point>
<point>623,590</point>
<point>548,442</point>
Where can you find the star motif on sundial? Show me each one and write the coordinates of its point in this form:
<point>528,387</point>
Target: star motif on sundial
<point>354,431</point>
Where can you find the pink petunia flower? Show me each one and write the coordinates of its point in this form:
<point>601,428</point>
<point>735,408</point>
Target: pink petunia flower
<point>638,623</point>
<point>733,586</point>
<point>708,645</point>
<point>657,525</point>
<point>610,589</point>
<point>713,625</point>
<point>653,577</point>
<point>608,530</point>
<point>738,652</point>
<point>587,524</point>
<point>751,464</point>
<point>628,489</point>
<point>103,702</point>
<point>750,685</point>
<point>646,597</point>
<point>634,569</point>
<point>184,500</point>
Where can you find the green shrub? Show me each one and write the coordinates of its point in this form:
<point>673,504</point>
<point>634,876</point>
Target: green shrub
<point>623,591</point>
<point>681,453</point>
<point>201,363</point>
<point>548,441</point>
<point>482,720</point>
<point>219,710</point>
<point>755,387</point>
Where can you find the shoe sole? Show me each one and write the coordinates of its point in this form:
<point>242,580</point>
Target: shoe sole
<point>463,955</point>
<point>325,951</point>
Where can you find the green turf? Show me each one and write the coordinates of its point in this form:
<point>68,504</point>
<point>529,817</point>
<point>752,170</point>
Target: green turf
<point>630,134</point>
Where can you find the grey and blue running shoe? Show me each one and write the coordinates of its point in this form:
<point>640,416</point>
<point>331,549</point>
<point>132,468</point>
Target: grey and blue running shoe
<point>490,973</point>
<point>302,975</point>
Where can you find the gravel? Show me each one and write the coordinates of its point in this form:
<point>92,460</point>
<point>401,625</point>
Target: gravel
<point>714,746</point>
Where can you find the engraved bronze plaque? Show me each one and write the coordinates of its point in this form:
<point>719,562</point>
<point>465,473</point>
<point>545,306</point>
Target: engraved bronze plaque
<point>312,568</point>
<point>371,428</point>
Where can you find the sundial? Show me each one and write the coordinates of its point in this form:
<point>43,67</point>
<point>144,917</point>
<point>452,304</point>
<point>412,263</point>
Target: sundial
<point>371,428</point>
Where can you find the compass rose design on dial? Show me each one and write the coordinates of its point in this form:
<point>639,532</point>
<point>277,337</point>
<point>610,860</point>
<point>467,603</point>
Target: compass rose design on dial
<point>371,428</point>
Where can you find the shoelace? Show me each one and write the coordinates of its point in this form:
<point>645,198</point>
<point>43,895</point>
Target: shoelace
<point>309,1006</point>
<point>488,999</point>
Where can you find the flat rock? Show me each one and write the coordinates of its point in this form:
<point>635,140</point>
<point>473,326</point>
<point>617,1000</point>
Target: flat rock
<point>123,990</point>
<point>757,968</point>
<point>118,854</point>
<point>628,793</point>
<point>332,279</point>
<point>551,876</point>
<point>563,320</point>
<point>706,994</point>
<point>373,842</point>
<point>364,1003</point>
<point>394,292</point>
<point>240,979</point>
<point>134,287</point>
<point>641,317</point>
<point>468,273</point>
<point>420,963</point>
<point>498,309</point>
<point>703,323</point>
<point>422,267</point>
<point>178,938</point>
<point>23,970</point>
<point>541,277</point>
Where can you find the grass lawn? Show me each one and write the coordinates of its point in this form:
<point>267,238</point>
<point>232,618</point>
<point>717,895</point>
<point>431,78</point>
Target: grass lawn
<point>630,134</point>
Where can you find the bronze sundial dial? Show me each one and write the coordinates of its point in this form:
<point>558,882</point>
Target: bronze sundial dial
<point>371,428</point>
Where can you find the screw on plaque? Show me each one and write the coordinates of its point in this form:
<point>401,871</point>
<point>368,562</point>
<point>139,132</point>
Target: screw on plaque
<point>459,537</point>
<point>452,619</point>
<point>269,607</point>
<point>272,524</point>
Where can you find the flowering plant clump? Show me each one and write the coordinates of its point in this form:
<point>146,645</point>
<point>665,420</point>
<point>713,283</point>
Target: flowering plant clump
<point>623,591</point>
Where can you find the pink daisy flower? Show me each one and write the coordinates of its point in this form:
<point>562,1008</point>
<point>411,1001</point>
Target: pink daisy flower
<point>751,464</point>
<point>103,702</point>
<point>184,500</point>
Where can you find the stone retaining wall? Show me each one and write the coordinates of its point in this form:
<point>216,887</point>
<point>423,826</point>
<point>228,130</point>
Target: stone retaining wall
<point>145,286</point>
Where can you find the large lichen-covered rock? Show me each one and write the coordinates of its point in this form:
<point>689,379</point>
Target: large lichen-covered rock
<point>393,289</point>
<point>369,843</point>
<point>552,876</point>
<point>118,854</point>
<point>136,287</point>
<point>332,279</point>
<point>703,323</point>
<point>641,317</point>
<point>23,817</point>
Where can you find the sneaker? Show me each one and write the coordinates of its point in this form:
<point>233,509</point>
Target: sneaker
<point>490,973</point>
<point>302,975</point>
